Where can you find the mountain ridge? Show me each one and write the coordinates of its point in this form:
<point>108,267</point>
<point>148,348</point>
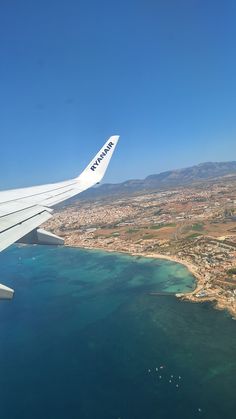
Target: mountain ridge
<point>170,178</point>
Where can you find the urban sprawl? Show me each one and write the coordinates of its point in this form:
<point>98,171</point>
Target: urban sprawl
<point>194,225</point>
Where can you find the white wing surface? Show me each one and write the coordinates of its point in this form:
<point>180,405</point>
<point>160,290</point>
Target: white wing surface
<point>23,210</point>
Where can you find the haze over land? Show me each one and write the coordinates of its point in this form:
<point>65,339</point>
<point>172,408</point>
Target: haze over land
<point>200,172</point>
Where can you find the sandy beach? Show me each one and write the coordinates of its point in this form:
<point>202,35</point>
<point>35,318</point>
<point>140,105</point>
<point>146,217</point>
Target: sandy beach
<point>220,301</point>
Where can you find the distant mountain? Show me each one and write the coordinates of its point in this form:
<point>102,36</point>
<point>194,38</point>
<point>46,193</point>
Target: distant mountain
<point>171,178</point>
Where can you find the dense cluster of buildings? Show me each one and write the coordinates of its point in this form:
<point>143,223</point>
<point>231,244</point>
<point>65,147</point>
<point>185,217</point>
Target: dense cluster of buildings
<point>195,225</point>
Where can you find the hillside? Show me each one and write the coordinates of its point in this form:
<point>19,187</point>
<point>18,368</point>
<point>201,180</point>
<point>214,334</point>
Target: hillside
<point>171,178</point>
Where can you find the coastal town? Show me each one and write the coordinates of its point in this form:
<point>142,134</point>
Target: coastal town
<point>193,225</point>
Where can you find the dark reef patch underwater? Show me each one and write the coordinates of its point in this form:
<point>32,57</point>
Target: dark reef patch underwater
<point>82,339</point>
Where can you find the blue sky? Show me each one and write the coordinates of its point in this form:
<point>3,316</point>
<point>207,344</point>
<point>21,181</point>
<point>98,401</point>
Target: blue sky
<point>161,73</point>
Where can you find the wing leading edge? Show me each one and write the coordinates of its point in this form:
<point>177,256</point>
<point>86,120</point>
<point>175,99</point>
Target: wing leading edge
<point>23,210</point>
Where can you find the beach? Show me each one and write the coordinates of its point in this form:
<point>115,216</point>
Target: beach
<point>219,301</point>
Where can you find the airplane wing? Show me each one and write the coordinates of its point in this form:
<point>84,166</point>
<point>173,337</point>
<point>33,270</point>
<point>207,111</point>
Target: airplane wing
<point>23,210</point>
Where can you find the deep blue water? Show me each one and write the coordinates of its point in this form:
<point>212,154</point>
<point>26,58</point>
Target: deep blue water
<point>83,339</point>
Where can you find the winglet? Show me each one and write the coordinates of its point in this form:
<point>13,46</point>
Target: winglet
<point>96,169</point>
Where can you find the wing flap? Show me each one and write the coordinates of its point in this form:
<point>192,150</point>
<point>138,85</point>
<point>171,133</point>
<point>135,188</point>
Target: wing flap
<point>14,233</point>
<point>9,221</point>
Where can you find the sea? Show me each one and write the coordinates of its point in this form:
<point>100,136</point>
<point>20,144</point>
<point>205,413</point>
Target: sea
<point>84,338</point>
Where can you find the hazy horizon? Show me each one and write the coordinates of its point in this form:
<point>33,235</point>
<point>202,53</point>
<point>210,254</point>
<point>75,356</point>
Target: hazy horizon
<point>160,74</point>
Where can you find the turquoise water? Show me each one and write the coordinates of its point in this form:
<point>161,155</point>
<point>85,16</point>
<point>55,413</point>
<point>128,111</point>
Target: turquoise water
<point>83,339</point>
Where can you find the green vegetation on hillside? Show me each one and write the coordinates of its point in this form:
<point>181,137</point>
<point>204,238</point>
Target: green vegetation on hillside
<point>197,227</point>
<point>159,226</point>
<point>232,271</point>
<point>132,230</point>
<point>148,236</point>
<point>193,236</point>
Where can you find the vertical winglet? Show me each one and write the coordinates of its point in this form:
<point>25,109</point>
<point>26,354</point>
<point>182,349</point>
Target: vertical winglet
<point>96,169</point>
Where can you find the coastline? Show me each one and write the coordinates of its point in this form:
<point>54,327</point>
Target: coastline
<point>192,269</point>
<point>219,302</point>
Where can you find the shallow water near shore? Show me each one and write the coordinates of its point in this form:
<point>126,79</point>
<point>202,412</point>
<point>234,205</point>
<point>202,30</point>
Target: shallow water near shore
<point>84,339</point>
